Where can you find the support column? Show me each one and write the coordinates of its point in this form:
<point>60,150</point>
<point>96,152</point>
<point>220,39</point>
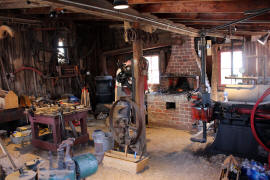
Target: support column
<point>139,80</point>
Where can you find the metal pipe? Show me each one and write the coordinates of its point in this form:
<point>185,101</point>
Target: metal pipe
<point>134,17</point>
<point>203,57</point>
<point>260,12</point>
<point>232,57</point>
<point>221,21</point>
<point>20,20</point>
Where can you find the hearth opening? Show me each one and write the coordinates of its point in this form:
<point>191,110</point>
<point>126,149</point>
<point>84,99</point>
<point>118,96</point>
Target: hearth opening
<point>181,84</point>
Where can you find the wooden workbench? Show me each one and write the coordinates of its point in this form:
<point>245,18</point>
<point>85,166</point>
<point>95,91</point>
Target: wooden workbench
<point>54,122</point>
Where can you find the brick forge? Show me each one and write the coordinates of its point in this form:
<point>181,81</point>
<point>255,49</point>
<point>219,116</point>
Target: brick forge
<point>183,62</point>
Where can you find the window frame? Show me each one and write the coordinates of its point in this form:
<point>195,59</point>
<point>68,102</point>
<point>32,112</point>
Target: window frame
<point>65,49</point>
<point>149,55</point>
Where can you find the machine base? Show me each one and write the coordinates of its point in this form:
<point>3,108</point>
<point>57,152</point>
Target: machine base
<point>235,140</point>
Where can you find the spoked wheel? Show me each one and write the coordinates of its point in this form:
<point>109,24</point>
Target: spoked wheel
<point>125,122</point>
<point>260,122</point>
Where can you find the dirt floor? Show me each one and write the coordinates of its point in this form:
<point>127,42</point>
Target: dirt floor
<point>172,156</point>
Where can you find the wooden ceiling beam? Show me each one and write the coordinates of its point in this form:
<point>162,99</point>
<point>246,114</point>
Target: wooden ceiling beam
<point>132,2</point>
<point>202,21</point>
<point>18,4</point>
<point>244,32</point>
<point>208,16</point>
<point>205,7</point>
<point>105,9</point>
<point>242,27</point>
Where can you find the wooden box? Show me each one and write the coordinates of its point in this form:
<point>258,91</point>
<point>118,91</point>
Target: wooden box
<point>8,100</point>
<point>121,161</point>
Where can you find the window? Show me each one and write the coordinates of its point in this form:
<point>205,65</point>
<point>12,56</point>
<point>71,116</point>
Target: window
<point>153,69</point>
<point>61,52</point>
<point>226,67</point>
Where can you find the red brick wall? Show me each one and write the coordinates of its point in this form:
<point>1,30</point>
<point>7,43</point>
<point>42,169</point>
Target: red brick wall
<point>183,61</point>
<point>183,56</point>
<point>179,118</point>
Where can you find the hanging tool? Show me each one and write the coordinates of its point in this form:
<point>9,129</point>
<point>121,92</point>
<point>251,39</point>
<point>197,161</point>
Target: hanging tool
<point>62,121</point>
<point>4,30</point>
<point>4,74</point>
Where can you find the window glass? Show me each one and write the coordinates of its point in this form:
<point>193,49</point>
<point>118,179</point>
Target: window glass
<point>61,52</point>
<point>226,67</point>
<point>153,69</point>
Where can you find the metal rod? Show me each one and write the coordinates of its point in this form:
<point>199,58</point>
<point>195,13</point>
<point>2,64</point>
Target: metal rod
<point>232,57</point>
<point>260,12</point>
<point>203,57</point>
<point>221,21</point>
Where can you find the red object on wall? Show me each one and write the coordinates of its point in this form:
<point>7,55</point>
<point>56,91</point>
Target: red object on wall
<point>29,68</point>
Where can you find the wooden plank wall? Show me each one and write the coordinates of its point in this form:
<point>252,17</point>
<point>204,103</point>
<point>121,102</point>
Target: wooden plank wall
<point>31,48</point>
<point>252,52</point>
<point>35,47</point>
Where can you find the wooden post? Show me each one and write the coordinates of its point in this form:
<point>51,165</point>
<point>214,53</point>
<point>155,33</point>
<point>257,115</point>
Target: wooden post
<point>215,73</point>
<point>139,80</point>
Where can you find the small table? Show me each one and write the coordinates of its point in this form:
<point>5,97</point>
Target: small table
<point>54,121</point>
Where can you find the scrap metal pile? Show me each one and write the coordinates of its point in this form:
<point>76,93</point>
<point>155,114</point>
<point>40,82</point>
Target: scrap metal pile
<point>66,166</point>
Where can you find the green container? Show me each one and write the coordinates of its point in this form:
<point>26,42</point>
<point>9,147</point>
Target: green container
<point>86,165</point>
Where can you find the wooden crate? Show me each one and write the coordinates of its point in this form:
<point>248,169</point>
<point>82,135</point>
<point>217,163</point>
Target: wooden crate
<point>9,100</point>
<point>119,160</point>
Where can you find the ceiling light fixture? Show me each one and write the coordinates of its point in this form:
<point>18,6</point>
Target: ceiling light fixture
<point>262,40</point>
<point>120,4</point>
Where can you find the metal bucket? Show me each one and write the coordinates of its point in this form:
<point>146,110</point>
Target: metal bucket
<point>98,137</point>
<point>103,142</point>
<point>108,142</point>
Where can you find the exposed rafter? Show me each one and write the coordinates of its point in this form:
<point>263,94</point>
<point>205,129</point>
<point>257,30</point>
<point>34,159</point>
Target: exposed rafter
<point>209,16</point>
<point>105,9</point>
<point>18,4</point>
<point>166,1</point>
<point>205,7</point>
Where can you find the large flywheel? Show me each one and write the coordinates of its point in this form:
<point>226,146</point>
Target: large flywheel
<point>126,123</point>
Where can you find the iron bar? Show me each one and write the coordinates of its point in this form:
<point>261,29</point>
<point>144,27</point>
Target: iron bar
<point>221,21</point>
<point>260,12</point>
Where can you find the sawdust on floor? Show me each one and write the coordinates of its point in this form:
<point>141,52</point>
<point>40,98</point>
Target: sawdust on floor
<point>172,156</point>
